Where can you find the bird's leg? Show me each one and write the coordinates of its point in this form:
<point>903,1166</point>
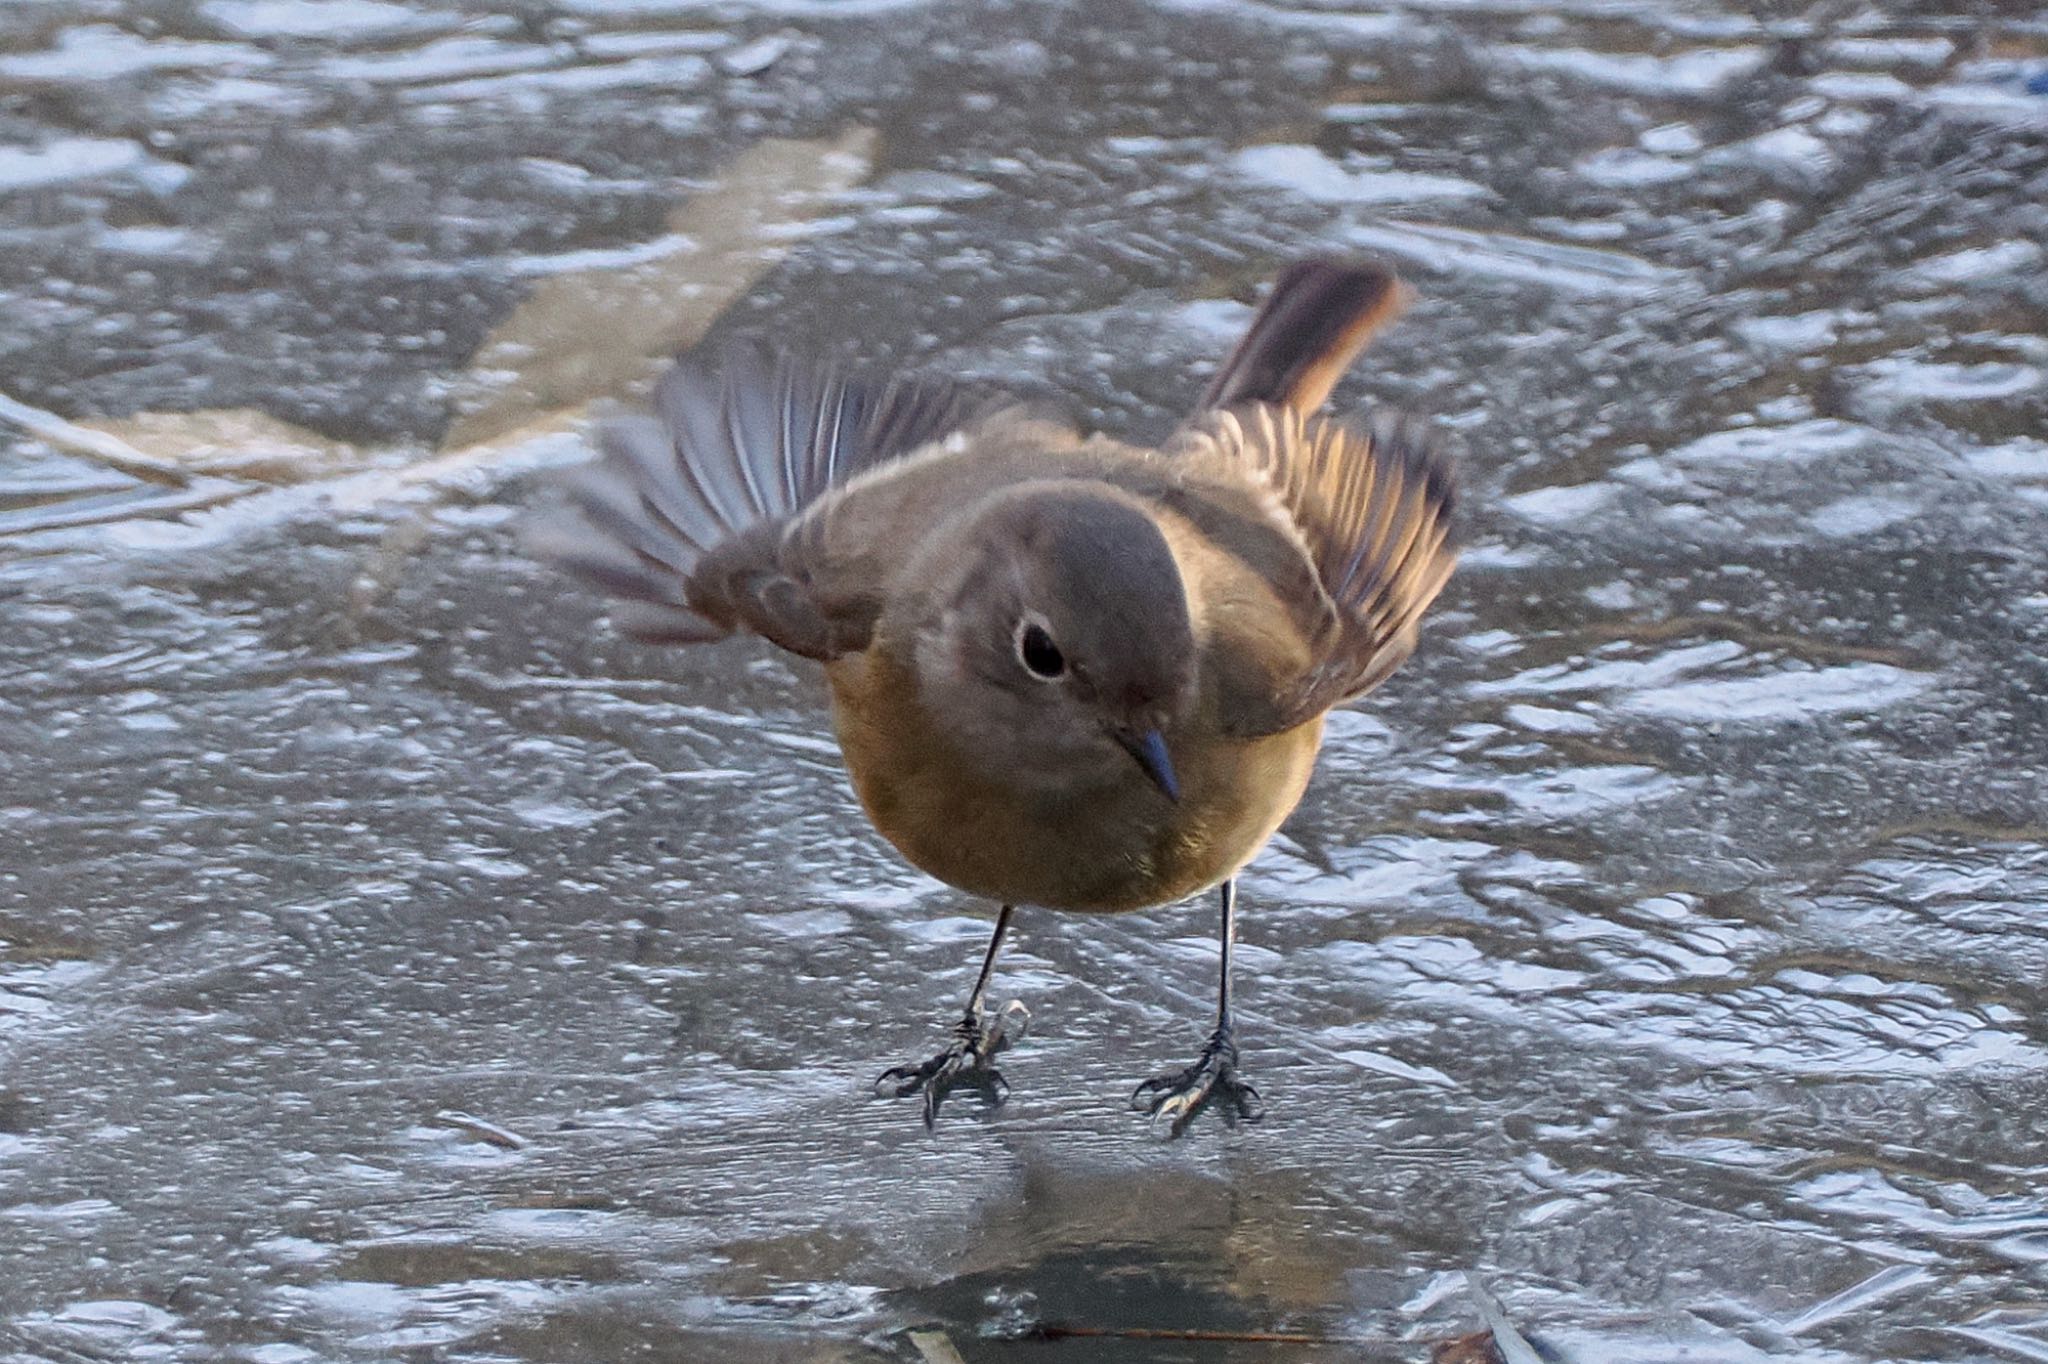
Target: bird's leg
<point>1175,1098</point>
<point>977,1037</point>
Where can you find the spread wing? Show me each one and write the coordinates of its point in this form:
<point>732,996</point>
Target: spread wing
<point>684,517</point>
<point>1373,508</point>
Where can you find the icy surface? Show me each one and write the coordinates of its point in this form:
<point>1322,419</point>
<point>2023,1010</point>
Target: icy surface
<point>394,964</point>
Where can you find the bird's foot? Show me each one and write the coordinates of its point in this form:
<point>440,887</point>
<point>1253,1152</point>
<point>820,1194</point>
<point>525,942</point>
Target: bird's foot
<point>1173,1099</point>
<point>965,1063</point>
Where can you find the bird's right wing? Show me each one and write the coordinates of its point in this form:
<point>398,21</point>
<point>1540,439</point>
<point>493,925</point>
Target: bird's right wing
<point>685,516</point>
<point>1372,508</point>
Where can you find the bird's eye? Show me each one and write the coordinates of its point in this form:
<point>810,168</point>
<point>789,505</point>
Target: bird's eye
<point>1036,651</point>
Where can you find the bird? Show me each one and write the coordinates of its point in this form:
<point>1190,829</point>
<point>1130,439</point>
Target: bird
<point>1067,672</point>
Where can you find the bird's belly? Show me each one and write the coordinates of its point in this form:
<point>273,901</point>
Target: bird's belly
<point>1120,845</point>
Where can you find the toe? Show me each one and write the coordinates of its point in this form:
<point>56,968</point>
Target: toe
<point>1174,1100</point>
<point>960,1064</point>
<point>1141,1097</point>
<point>1178,1109</point>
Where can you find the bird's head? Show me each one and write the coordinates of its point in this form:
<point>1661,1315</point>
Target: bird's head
<point>1061,650</point>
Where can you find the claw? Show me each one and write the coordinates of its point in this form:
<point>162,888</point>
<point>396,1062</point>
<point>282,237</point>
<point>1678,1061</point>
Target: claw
<point>1173,1099</point>
<point>977,1039</point>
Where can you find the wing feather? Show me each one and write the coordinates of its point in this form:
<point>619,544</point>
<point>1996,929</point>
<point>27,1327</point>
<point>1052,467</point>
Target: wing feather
<point>682,515</point>
<point>1373,507</point>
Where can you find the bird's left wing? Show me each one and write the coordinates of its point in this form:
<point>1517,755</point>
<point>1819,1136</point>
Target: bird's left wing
<point>1373,509</point>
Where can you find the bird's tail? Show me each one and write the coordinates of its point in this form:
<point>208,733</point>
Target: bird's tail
<point>1311,327</point>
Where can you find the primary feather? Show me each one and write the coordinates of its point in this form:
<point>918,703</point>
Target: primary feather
<point>1373,509</point>
<point>735,452</point>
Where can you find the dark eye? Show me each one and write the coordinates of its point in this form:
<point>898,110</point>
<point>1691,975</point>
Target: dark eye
<point>1036,651</point>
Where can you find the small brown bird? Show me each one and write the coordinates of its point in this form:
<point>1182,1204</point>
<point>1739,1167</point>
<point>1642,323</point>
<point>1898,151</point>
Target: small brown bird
<point>1065,671</point>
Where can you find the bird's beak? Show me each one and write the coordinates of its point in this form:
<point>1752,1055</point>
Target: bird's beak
<point>1150,751</point>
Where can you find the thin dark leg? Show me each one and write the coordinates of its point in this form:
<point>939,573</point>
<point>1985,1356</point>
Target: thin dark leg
<point>1175,1098</point>
<point>988,960</point>
<point>976,1040</point>
<point>1228,933</point>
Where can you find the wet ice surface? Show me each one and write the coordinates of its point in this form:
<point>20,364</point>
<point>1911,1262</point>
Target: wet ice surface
<point>393,964</point>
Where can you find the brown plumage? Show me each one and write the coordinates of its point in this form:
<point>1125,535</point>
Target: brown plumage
<point>1066,671</point>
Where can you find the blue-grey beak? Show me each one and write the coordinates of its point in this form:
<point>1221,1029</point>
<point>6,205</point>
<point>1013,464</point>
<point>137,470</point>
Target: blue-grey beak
<point>1150,751</point>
